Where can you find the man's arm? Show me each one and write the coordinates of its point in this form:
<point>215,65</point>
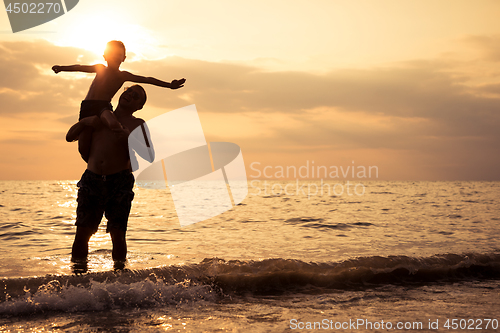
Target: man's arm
<point>82,131</point>
<point>77,128</point>
<point>75,68</point>
<point>140,142</point>
<point>175,84</point>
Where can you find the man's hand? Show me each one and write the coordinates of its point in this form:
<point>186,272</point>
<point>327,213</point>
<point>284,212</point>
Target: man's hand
<point>92,121</point>
<point>122,132</point>
<point>176,84</point>
<point>56,69</point>
<point>79,127</point>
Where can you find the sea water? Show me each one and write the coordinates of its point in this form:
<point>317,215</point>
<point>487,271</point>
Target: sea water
<point>293,256</point>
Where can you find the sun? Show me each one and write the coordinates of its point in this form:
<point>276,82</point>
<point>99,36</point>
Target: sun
<point>94,31</point>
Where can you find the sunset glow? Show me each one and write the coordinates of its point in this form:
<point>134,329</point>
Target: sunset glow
<point>411,87</point>
<point>92,35</point>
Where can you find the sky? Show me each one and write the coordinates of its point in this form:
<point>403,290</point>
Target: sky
<point>411,87</point>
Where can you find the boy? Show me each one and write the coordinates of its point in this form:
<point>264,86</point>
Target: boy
<point>107,82</point>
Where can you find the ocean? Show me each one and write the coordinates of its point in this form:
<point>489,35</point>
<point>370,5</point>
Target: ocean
<point>292,257</point>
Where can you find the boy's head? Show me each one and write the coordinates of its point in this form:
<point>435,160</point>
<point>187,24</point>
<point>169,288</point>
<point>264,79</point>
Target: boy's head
<point>114,52</point>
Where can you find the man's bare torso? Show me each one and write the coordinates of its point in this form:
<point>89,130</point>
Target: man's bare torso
<point>109,151</point>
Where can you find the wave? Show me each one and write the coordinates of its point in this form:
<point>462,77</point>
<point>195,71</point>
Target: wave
<point>215,279</point>
<point>318,223</point>
<point>274,276</point>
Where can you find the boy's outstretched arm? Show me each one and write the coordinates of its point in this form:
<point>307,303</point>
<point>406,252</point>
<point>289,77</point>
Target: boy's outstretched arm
<point>175,84</point>
<point>75,68</point>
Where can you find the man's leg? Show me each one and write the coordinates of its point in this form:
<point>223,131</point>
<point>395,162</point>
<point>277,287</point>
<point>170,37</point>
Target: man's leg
<point>119,252</point>
<point>80,248</point>
<point>88,213</point>
<point>117,211</point>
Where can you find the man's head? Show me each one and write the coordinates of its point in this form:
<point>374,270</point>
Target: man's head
<point>133,98</point>
<point>115,52</point>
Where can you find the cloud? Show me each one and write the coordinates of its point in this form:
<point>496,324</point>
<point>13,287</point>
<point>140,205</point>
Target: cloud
<point>420,107</point>
<point>488,45</point>
<point>426,90</point>
<point>28,85</point>
<point>428,108</point>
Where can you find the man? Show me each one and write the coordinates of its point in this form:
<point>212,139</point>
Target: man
<point>106,185</point>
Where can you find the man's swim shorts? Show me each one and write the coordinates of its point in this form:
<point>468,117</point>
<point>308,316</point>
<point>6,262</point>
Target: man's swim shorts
<point>110,195</point>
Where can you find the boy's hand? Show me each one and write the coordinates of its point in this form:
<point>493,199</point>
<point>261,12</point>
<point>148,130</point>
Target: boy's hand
<point>56,69</point>
<point>176,84</point>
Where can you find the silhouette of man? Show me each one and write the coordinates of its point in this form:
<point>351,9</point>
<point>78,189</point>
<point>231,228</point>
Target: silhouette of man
<point>106,186</point>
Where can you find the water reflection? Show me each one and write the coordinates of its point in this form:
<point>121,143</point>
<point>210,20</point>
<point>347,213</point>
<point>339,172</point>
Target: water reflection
<point>79,266</point>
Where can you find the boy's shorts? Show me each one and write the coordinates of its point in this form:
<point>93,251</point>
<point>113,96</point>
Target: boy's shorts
<point>90,108</point>
<point>110,195</point>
